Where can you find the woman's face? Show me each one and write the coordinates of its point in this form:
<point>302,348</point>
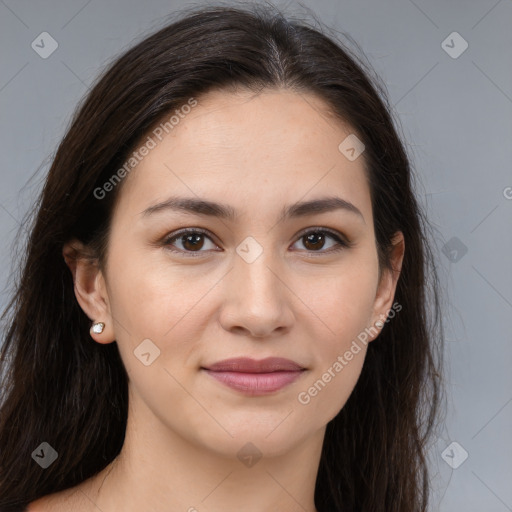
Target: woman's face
<point>256,284</point>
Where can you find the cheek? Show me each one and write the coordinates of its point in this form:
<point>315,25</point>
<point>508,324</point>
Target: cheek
<point>339,355</point>
<point>166,304</point>
<point>344,303</point>
<point>152,296</point>
<point>158,303</point>
<point>327,391</point>
<point>342,300</point>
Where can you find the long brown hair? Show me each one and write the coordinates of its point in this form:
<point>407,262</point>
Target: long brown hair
<point>61,388</point>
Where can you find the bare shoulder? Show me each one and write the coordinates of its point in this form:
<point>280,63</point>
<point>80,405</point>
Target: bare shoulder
<point>80,498</point>
<point>68,500</point>
<point>57,502</point>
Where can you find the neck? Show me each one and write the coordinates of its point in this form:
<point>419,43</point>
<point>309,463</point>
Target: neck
<point>158,467</point>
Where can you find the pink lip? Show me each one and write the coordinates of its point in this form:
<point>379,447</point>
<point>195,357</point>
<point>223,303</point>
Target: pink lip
<point>254,377</point>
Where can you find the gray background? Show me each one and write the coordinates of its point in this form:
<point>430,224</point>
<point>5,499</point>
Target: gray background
<point>456,116</point>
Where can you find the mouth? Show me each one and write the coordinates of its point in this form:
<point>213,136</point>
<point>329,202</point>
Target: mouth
<point>253,377</point>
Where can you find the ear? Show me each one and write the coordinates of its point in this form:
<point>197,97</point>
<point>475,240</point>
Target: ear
<point>387,287</point>
<point>90,288</point>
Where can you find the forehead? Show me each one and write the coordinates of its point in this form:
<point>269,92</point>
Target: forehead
<point>267,147</point>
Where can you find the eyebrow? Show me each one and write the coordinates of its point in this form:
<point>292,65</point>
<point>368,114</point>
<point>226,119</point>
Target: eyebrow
<point>223,211</point>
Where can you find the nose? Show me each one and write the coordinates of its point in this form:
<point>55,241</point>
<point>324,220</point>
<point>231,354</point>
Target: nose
<point>257,301</point>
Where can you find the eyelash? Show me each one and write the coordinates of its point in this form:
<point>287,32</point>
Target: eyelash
<point>342,242</point>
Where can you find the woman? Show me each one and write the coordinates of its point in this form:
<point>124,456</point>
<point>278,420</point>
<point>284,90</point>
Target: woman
<point>228,300</point>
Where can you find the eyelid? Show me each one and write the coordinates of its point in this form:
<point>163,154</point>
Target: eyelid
<point>333,232</point>
<point>180,232</point>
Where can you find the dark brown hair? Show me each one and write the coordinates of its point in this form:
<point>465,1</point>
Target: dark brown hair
<point>62,388</point>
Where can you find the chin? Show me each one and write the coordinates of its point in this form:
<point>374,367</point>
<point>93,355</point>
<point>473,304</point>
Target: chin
<point>271,440</point>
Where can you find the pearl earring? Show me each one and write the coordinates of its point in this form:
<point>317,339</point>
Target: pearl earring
<point>98,327</point>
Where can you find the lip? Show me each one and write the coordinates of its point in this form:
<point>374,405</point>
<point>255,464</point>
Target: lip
<point>255,377</point>
<point>248,365</point>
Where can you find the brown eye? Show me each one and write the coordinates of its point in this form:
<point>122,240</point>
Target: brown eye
<point>191,241</point>
<point>315,241</point>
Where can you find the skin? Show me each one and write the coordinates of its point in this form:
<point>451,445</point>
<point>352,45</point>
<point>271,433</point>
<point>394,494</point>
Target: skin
<point>296,300</point>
